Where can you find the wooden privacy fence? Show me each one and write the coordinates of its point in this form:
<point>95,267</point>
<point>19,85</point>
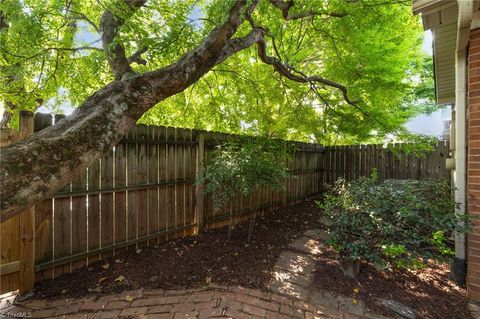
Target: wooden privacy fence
<point>352,161</point>
<point>143,192</point>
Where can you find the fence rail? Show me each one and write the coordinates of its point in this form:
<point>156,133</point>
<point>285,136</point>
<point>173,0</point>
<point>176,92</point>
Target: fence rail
<point>143,192</point>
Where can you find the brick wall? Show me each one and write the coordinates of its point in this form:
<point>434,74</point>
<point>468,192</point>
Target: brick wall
<point>473,167</point>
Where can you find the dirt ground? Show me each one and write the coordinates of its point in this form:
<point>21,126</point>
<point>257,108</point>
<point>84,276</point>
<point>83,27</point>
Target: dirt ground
<point>429,291</point>
<point>211,257</point>
<point>194,261</point>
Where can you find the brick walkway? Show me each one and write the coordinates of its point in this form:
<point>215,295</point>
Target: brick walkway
<point>208,302</point>
<point>292,296</point>
<point>294,272</point>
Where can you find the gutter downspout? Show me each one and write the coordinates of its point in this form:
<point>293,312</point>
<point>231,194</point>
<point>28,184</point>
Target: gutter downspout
<point>465,13</point>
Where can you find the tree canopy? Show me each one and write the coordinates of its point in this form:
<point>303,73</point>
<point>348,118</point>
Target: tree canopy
<point>52,53</point>
<point>324,70</point>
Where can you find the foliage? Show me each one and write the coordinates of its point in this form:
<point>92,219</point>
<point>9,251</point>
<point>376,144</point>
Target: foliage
<point>242,166</point>
<point>52,48</point>
<point>392,225</point>
<point>409,143</point>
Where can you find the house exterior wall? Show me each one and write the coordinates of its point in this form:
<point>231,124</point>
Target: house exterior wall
<point>473,164</point>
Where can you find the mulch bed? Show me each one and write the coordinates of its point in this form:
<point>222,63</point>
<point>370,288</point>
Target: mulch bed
<point>194,261</point>
<point>429,291</point>
<point>211,256</point>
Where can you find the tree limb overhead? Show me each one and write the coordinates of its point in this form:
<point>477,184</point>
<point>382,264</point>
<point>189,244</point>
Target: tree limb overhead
<point>285,7</point>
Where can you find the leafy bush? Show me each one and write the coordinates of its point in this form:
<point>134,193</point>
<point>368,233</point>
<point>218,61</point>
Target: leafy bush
<point>241,166</point>
<point>390,225</point>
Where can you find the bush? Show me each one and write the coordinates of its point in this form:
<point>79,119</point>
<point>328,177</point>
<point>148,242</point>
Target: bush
<point>391,226</point>
<point>242,166</point>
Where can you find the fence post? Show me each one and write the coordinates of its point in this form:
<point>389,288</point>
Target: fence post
<point>27,222</point>
<point>199,196</point>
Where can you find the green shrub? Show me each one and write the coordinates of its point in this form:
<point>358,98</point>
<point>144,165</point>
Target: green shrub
<point>242,166</point>
<point>400,225</point>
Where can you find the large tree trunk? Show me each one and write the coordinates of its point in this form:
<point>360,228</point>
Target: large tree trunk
<point>40,165</point>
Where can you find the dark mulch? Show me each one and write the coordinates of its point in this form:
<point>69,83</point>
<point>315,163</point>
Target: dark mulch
<point>429,291</point>
<point>191,262</point>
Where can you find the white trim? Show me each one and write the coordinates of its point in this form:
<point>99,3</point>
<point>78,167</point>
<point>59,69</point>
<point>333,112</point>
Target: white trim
<point>465,15</point>
<point>459,175</point>
<point>426,7</point>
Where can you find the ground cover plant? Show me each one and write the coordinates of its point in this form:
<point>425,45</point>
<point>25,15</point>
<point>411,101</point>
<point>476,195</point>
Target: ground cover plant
<point>391,225</point>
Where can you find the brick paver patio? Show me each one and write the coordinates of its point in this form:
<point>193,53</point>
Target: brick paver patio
<point>208,302</point>
<point>291,295</point>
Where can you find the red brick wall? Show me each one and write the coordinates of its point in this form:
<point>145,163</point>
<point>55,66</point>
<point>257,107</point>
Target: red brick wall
<point>473,167</point>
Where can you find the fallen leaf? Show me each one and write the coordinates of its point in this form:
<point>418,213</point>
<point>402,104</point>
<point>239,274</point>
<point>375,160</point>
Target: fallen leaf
<point>208,280</point>
<point>354,301</point>
<point>128,298</point>
<point>101,280</point>
<point>355,290</point>
<point>106,266</point>
<point>64,291</point>
<point>120,278</point>
<point>138,251</point>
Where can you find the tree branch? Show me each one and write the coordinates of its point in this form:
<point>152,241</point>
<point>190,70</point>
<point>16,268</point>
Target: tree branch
<point>238,44</point>
<point>81,16</point>
<point>87,47</point>
<point>137,56</point>
<point>114,50</point>
<point>285,7</point>
<point>297,76</point>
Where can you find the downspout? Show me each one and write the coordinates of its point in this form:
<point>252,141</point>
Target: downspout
<point>465,12</point>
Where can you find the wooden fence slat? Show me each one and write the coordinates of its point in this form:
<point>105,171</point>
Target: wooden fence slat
<point>41,121</point>
<point>180,174</point>
<point>162,176</point>
<point>43,231</point>
<point>107,204</point>
<point>171,171</point>
<point>142,178</point>
<point>190,173</point>
<point>120,180</point>
<point>132,177</point>
<point>62,229</point>
<point>199,191</point>
<point>153,177</point>
<point>94,209</point>
<point>79,215</point>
